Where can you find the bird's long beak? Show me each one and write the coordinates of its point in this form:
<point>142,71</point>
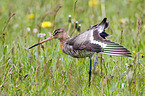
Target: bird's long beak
<point>42,42</point>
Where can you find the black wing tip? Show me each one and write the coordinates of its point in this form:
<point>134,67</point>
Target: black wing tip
<point>104,23</point>
<point>104,20</point>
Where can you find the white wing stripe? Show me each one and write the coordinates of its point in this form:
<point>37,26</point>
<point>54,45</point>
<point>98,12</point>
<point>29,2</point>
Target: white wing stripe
<point>93,41</point>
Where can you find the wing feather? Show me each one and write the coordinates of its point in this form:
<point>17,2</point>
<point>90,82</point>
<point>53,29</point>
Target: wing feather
<point>116,49</point>
<point>91,40</point>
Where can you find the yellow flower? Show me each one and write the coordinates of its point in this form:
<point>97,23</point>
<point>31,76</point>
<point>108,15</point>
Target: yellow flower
<point>93,3</point>
<point>30,16</point>
<point>142,55</point>
<point>133,51</point>
<point>46,24</point>
<point>144,26</point>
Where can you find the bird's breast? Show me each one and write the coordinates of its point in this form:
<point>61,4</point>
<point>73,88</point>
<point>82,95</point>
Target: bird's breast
<point>61,46</point>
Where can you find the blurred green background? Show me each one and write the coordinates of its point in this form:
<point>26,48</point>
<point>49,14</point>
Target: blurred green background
<point>46,70</point>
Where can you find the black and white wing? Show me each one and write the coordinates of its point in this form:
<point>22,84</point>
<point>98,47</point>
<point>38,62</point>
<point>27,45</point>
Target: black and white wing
<point>92,40</point>
<point>105,46</point>
<point>82,42</point>
<point>101,28</point>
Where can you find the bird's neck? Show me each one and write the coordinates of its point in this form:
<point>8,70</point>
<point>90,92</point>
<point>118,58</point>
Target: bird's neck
<point>62,41</point>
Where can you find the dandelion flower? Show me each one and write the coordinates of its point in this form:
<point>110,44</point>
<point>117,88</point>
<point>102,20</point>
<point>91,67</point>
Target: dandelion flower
<point>46,24</point>
<point>93,3</point>
<point>142,55</point>
<point>30,16</point>
<point>144,26</point>
<point>69,18</point>
<point>28,29</point>
<point>35,30</point>
<point>41,34</point>
<point>133,51</point>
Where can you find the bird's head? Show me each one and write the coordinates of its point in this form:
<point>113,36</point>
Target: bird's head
<point>60,34</point>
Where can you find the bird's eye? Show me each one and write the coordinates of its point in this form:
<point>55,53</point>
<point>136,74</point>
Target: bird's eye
<point>55,33</point>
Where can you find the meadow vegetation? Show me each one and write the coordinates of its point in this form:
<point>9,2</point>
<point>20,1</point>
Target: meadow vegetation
<point>46,70</point>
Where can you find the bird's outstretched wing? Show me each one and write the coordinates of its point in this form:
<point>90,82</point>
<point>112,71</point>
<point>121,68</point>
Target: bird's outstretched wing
<point>97,44</point>
<point>83,38</point>
<point>113,48</point>
<point>91,40</point>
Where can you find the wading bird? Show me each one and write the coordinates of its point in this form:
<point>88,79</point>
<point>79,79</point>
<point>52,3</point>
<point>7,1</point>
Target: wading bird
<point>87,43</point>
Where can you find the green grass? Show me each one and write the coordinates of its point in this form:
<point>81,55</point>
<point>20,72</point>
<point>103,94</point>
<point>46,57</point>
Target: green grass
<point>48,71</point>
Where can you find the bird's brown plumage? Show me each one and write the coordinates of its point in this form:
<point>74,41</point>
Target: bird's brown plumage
<point>88,42</point>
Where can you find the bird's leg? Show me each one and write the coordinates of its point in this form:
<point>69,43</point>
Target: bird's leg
<point>90,71</point>
<point>95,62</point>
